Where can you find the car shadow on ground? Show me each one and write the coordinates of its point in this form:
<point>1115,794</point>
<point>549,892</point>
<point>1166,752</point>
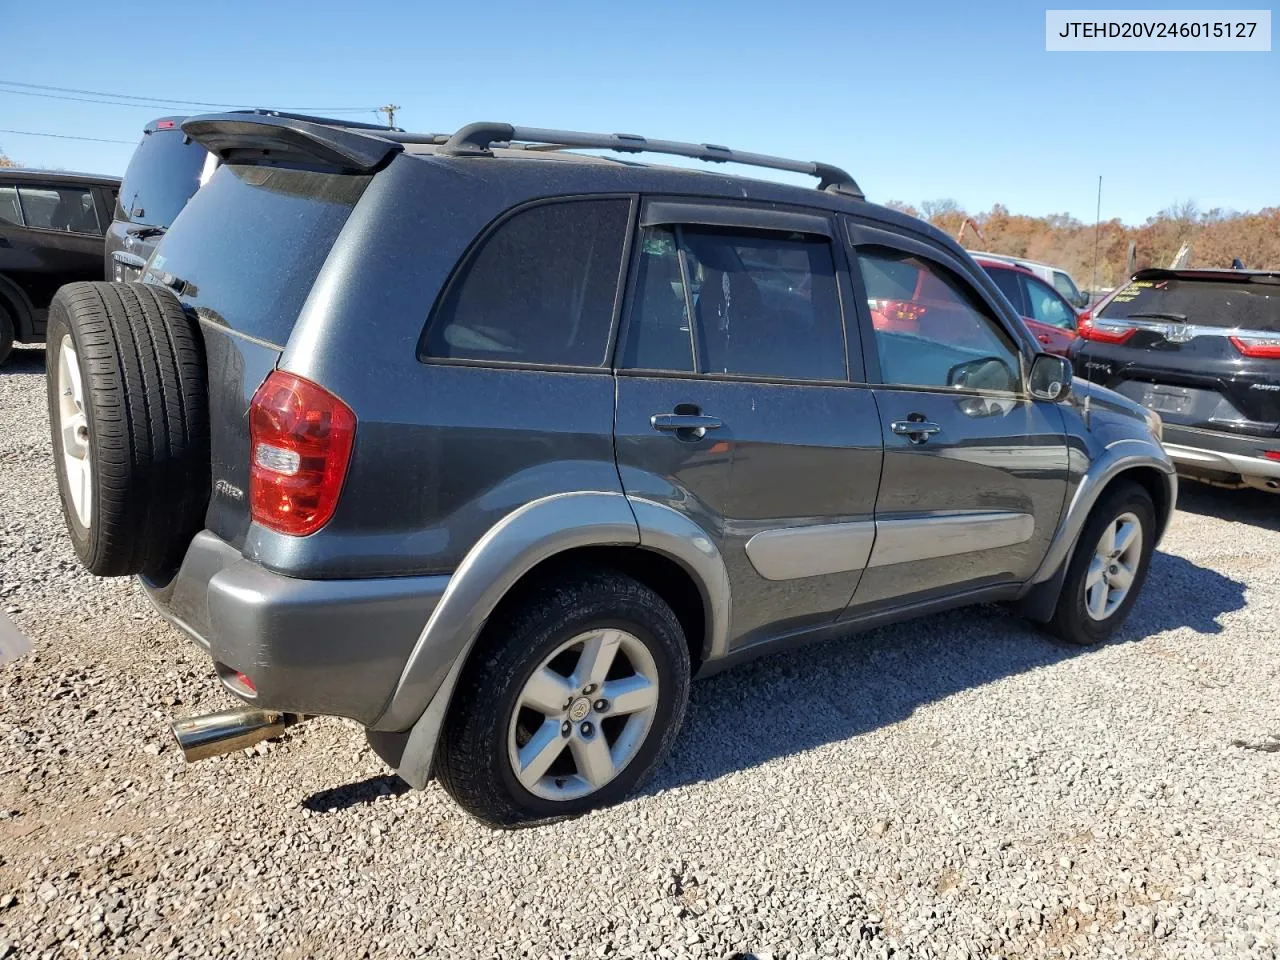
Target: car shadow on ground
<point>24,360</point>
<point>842,688</point>
<point>1254,507</point>
<point>355,794</point>
<point>850,686</point>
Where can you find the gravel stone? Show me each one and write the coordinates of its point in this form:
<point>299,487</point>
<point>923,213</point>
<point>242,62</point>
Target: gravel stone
<point>958,786</point>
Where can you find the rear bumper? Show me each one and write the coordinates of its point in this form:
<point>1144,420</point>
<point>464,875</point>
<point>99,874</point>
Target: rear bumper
<point>1195,451</point>
<point>334,647</point>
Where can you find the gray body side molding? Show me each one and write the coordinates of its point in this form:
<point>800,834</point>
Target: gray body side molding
<point>511,548</point>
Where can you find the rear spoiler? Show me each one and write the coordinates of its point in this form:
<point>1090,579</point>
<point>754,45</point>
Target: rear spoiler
<point>1224,276</point>
<point>250,138</point>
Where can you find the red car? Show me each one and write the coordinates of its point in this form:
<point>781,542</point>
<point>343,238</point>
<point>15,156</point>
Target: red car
<point>1049,317</point>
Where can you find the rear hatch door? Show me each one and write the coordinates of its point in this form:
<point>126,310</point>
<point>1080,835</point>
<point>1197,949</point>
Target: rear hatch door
<point>1200,347</point>
<point>244,254</point>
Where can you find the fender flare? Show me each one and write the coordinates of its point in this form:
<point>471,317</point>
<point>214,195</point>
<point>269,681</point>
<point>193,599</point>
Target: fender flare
<point>1041,594</point>
<point>405,734</point>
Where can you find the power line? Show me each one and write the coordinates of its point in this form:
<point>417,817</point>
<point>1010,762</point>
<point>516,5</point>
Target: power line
<point>128,99</point>
<point>65,136</point>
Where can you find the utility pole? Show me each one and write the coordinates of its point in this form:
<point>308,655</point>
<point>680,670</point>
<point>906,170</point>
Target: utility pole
<point>390,110</point>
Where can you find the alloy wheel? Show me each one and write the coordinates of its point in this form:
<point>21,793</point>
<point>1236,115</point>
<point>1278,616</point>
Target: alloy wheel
<point>1114,566</point>
<point>583,714</point>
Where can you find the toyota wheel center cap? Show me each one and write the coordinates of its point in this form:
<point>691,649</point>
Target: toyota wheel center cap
<point>581,707</point>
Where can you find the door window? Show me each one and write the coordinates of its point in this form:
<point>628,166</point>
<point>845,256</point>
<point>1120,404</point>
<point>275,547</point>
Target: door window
<point>931,329</point>
<point>1046,306</point>
<point>9,212</point>
<point>540,288</point>
<point>67,209</point>
<point>1007,281</point>
<point>764,304</point>
<point>1062,283</point>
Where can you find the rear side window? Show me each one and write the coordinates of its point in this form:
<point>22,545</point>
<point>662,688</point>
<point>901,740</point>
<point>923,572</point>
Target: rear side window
<point>67,209</point>
<point>764,303</point>
<point>162,176</point>
<point>248,247</point>
<point>540,288</point>
<point>9,212</point>
<point>1229,302</point>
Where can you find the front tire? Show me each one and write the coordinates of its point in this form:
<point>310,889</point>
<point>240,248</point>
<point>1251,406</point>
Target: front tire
<point>572,700</point>
<point>1108,568</point>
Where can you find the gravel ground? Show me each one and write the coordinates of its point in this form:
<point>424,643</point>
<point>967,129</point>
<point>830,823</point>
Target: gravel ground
<point>955,787</point>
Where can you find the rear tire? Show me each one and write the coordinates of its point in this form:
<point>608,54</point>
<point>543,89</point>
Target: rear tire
<point>541,651</point>
<point>6,334</point>
<point>128,411</point>
<point>1093,603</point>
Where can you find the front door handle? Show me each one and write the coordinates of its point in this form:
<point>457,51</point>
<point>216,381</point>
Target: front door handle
<point>686,426</point>
<point>917,431</point>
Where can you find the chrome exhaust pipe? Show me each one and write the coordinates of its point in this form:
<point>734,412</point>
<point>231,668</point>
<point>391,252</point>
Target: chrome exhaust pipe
<point>215,734</point>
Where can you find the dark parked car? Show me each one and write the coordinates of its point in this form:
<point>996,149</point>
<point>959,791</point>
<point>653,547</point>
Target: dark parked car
<point>491,446</point>
<point>1047,314</point>
<point>50,234</point>
<point>166,170</point>
<point>1201,348</point>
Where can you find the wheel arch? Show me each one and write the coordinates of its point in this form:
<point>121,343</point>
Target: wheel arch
<point>652,542</point>
<point>1133,461</point>
<point>15,302</point>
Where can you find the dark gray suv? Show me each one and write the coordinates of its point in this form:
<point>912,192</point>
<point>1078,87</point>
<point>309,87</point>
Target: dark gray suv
<point>491,446</point>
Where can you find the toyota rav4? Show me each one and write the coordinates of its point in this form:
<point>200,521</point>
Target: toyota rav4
<point>492,446</point>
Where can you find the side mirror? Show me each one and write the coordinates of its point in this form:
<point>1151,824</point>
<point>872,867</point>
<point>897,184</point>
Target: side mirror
<point>984,373</point>
<point>1050,378</point>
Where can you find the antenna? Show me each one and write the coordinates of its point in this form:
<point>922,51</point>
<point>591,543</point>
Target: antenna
<point>1097,232</point>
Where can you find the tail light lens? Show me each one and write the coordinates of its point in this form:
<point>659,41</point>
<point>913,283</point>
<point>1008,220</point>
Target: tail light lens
<point>1103,331</point>
<point>300,436</point>
<point>1260,347</point>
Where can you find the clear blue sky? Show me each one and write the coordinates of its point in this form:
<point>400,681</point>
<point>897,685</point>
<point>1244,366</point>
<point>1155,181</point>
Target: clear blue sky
<point>918,100</point>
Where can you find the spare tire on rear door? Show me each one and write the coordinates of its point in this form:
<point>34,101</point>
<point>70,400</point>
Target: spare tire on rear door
<point>128,409</point>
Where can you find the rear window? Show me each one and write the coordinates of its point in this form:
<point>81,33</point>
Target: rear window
<point>1214,303</point>
<point>248,247</point>
<point>162,176</point>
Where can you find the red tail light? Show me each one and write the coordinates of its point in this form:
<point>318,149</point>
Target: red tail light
<point>1271,454</point>
<point>300,436</point>
<point>1259,347</point>
<point>1104,331</point>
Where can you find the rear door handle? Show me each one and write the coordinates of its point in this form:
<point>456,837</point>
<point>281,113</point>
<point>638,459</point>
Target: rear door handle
<point>686,426</point>
<point>917,431</point>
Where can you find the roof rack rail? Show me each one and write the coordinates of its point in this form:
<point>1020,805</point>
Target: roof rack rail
<point>477,140</point>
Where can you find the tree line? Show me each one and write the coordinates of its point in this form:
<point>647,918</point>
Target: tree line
<point>1216,237</point>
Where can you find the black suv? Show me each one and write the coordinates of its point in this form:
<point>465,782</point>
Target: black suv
<point>492,446</point>
<point>50,233</point>
<point>165,171</point>
<point>1201,348</point>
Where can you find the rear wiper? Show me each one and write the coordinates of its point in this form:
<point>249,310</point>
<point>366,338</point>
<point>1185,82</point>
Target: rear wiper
<point>1179,317</point>
<point>143,232</point>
